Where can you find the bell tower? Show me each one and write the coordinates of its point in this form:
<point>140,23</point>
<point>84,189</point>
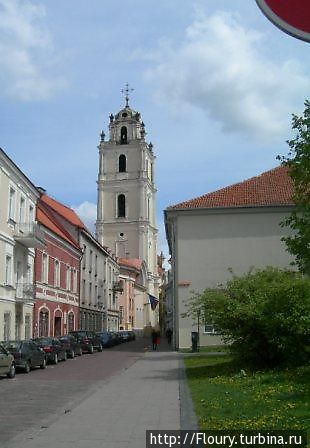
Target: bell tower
<point>126,211</point>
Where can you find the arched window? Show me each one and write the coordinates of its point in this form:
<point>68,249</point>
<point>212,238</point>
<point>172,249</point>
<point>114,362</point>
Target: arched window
<point>122,163</point>
<point>43,323</point>
<point>123,135</point>
<point>70,321</point>
<point>121,206</point>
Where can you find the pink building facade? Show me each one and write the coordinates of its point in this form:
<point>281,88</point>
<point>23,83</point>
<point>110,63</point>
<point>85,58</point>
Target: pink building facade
<point>57,274</point>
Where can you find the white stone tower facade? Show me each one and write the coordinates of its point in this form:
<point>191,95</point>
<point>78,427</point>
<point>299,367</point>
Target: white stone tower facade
<point>126,211</point>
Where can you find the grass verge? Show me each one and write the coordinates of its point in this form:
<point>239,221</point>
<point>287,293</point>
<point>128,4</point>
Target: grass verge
<point>227,396</point>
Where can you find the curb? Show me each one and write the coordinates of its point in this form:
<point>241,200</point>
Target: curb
<point>188,419</point>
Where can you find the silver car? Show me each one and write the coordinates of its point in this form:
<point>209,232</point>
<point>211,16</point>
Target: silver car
<point>7,363</point>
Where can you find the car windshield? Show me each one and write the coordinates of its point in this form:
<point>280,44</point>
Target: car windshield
<point>12,345</point>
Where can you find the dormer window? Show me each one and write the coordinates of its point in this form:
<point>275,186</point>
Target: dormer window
<point>124,114</point>
<point>122,163</point>
<point>124,135</point>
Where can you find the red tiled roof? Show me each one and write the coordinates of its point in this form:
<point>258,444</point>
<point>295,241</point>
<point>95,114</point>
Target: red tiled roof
<point>271,188</point>
<point>64,211</point>
<point>44,218</point>
<point>131,262</point>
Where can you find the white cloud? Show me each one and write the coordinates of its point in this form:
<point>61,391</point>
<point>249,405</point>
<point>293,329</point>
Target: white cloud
<point>220,67</point>
<point>87,211</point>
<point>25,52</point>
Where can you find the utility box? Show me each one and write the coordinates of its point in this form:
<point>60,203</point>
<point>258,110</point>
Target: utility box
<point>195,341</point>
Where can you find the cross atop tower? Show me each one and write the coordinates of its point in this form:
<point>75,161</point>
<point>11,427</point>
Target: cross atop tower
<point>126,93</point>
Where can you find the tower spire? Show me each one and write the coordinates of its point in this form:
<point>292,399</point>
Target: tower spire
<point>126,91</point>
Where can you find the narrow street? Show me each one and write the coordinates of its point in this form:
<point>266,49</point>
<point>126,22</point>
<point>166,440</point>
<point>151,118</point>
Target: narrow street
<point>42,396</point>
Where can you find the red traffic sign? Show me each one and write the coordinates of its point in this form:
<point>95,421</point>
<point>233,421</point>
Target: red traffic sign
<point>291,16</point>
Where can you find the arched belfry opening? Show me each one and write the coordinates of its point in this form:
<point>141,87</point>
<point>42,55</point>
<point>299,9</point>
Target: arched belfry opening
<point>122,162</point>
<point>124,140</point>
<point>121,206</point>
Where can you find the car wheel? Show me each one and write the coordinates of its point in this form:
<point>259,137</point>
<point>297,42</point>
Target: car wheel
<point>27,367</point>
<point>72,354</point>
<point>100,348</point>
<point>43,365</point>
<point>55,360</point>
<point>65,357</point>
<point>11,373</point>
<point>91,349</point>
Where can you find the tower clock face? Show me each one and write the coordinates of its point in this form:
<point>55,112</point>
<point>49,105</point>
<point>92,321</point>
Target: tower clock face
<point>291,16</point>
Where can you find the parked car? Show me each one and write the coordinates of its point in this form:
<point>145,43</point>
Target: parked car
<point>124,334</point>
<point>27,354</point>
<point>132,335</point>
<point>116,338</point>
<point>89,340</point>
<point>71,345</point>
<point>52,348</point>
<point>106,338</point>
<point>7,363</point>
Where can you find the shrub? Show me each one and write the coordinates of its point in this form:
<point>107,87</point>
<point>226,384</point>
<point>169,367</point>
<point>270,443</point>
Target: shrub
<point>264,314</point>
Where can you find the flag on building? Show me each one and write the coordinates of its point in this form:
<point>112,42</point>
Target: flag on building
<point>153,301</point>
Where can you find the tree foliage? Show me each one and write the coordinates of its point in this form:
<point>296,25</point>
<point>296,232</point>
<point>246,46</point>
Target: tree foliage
<point>298,162</point>
<point>265,315</point>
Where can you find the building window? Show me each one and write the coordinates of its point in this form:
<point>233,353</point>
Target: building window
<point>8,270</point>
<point>70,322</point>
<point>74,280</point>
<point>210,329</point>
<point>27,326</point>
<point>44,277</point>
<point>7,326</point>
<point>31,214</point>
<point>122,163</point>
<point>96,265</point>
<point>121,313</point>
<point>68,278</point>
<point>22,210</point>
<point>83,290</point>
<point>124,135</point>
<point>43,323</point>
<point>90,260</point>
<point>57,273</point>
<point>90,292</point>
<point>121,206</point>
<point>84,256</point>
<point>12,204</point>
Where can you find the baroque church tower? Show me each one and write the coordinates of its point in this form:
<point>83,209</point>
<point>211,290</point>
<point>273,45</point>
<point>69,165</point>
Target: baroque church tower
<point>126,211</point>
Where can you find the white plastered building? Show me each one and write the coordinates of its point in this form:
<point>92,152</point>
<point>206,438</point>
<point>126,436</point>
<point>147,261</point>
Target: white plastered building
<point>126,210</point>
<point>19,236</point>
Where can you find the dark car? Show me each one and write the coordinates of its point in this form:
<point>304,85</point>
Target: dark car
<point>71,345</point>
<point>132,335</point>
<point>88,340</point>
<point>52,348</point>
<point>27,354</point>
<point>7,363</point>
<point>125,335</point>
<point>116,338</point>
<point>106,338</point>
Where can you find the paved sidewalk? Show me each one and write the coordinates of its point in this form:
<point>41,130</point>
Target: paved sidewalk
<point>145,396</point>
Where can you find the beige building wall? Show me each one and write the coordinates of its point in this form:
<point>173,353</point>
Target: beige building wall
<point>209,243</point>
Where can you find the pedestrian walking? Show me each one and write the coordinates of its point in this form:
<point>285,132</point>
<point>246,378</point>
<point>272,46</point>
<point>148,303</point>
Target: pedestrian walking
<point>154,339</point>
<point>157,339</point>
<point>169,335</point>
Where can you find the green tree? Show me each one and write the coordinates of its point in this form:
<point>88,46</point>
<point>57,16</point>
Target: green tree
<point>298,162</point>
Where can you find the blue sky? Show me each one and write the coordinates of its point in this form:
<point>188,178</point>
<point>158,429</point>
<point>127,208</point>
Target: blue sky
<point>214,80</point>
